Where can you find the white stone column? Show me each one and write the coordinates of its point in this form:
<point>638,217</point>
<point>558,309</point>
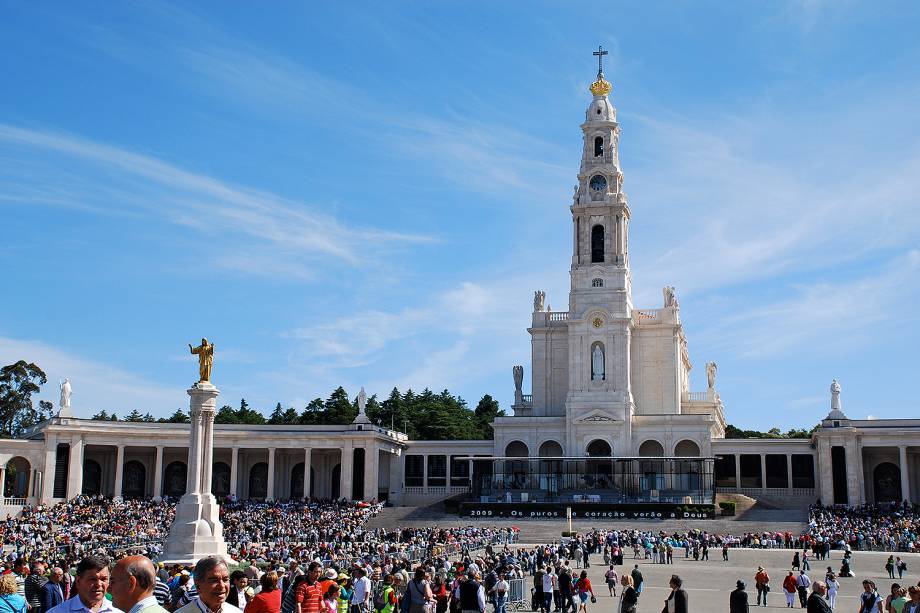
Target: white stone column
<point>371,472</point>
<point>207,454</point>
<point>196,531</point>
<point>119,471</point>
<point>234,461</point>
<point>158,474</point>
<point>425,474</point>
<point>48,470</point>
<point>825,471</point>
<point>854,471</point>
<point>270,488</point>
<point>738,472</point>
<point>763,470</point>
<point>307,465</point>
<point>905,474</point>
<point>194,453</point>
<point>789,482</point>
<point>396,476</point>
<point>447,482</point>
<point>345,470</point>
<point>2,482</point>
<point>75,473</point>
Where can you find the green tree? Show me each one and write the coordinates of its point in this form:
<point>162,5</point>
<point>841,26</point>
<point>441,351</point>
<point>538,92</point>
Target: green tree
<point>134,415</point>
<point>148,417</point>
<point>311,413</point>
<point>102,415</point>
<point>179,417</point>
<point>226,415</point>
<point>17,384</point>
<point>486,412</point>
<point>283,417</point>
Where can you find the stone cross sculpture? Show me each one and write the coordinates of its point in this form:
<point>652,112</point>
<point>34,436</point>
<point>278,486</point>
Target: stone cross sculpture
<point>835,395</point>
<point>66,392</point>
<point>539,297</point>
<point>711,370</point>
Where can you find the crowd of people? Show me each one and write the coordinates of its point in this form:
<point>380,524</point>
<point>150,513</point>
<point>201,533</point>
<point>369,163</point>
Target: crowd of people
<point>312,556</point>
<point>867,528</point>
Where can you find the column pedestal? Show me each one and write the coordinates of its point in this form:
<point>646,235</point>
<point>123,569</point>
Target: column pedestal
<point>197,532</point>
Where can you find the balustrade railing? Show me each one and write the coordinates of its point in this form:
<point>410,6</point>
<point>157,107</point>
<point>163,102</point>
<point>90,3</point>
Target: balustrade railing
<point>528,398</point>
<point>647,315</point>
<point>559,316</point>
<point>14,502</point>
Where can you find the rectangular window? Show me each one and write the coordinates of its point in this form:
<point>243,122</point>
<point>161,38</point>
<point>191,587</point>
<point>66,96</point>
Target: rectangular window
<point>839,467</point>
<point>459,472</point>
<point>777,471</point>
<point>725,471</point>
<point>803,470</point>
<point>750,471</point>
<point>437,470</point>
<point>415,471</point>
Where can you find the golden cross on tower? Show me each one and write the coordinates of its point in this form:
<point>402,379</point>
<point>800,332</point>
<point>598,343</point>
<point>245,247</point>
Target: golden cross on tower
<point>600,53</point>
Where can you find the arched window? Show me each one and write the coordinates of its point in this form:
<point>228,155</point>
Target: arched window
<point>597,244</point>
<point>597,362</point>
<point>598,146</point>
<point>597,283</point>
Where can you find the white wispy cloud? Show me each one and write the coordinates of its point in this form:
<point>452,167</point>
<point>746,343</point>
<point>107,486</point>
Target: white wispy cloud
<point>58,169</point>
<point>831,317</point>
<point>96,385</point>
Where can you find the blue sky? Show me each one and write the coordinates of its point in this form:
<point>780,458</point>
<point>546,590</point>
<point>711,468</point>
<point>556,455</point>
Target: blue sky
<point>369,194</point>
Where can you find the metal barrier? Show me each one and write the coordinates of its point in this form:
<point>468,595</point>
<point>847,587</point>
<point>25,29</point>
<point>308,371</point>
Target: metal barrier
<point>518,600</point>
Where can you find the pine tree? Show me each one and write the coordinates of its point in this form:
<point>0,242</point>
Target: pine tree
<point>134,415</point>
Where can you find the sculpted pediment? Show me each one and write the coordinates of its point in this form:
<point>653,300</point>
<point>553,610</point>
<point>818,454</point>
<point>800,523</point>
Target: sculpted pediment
<point>596,417</point>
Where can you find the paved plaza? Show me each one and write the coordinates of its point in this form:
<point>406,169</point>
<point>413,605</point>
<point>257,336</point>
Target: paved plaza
<point>708,583</point>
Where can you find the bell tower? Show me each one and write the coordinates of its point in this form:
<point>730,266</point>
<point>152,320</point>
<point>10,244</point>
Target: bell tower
<point>599,399</point>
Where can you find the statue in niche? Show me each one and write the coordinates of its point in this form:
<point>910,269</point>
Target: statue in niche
<point>835,395</point>
<point>711,374</point>
<point>518,372</point>
<point>597,363</point>
<point>539,297</point>
<point>670,297</point>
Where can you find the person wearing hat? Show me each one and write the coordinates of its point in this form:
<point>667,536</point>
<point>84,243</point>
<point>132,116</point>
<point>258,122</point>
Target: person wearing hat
<point>738,599</point>
<point>762,583</point>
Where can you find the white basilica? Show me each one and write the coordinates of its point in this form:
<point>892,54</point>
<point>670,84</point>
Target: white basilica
<point>610,420</point>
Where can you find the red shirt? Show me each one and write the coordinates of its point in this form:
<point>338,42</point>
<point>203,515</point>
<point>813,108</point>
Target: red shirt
<point>265,602</point>
<point>310,598</point>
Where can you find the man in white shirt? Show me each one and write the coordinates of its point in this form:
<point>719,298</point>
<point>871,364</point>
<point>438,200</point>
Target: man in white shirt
<point>212,579</point>
<point>131,586</point>
<point>802,582</point>
<point>361,596</point>
<point>91,584</point>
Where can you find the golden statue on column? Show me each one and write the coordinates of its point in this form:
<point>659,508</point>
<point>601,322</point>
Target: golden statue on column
<point>205,353</point>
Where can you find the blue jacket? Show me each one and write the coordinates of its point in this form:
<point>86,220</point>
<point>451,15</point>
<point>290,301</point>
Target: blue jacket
<point>51,595</point>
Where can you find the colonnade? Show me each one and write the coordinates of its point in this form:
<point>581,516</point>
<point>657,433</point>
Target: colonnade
<point>368,450</point>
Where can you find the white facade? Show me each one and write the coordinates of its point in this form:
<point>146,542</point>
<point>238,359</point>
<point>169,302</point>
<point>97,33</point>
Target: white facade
<point>605,370</point>
<point>608,379</point>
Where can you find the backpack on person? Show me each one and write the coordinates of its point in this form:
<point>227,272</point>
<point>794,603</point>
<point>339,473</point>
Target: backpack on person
<point>380,601</point>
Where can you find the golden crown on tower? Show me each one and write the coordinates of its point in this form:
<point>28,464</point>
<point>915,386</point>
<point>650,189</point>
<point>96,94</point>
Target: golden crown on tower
<point>601,87</point>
